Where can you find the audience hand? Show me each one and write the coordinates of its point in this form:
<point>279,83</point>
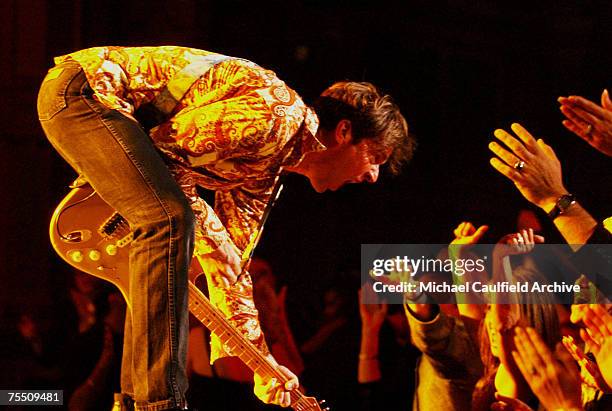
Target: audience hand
<point>589,121</point>
<point>539,179</point>
<point>553,378</point>
<point>372,315</point>
<point>597,335</point>
<point>522,242</point>
<point>467,234</point>
<point>589,370</point>
<point>509,404</point>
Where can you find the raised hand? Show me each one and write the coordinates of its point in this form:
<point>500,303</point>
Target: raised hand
<point>372,315</point>
<point>530,164</point>
<point>553,377</point>
<point>589,121</point>
<point>466,233</point>
<point>597,335</point>
<point>522,242</point>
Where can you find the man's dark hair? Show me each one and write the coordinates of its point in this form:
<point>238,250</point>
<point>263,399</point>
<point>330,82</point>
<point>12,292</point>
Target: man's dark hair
<point>372,115</point>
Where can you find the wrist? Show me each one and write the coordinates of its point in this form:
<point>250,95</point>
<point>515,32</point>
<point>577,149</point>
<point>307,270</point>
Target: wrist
<point>370,331</point>
<point>562,205</point>
<point>549,202</point>
<point>368,357</point>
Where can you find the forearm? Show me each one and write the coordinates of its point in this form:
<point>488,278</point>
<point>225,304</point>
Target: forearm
<point>292,351</point>
<point>369,366</point>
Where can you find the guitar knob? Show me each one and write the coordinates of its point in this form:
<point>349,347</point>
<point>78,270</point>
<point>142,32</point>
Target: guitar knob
<point>111,249</point>
<point>76,256</point>
<point>94,255</point>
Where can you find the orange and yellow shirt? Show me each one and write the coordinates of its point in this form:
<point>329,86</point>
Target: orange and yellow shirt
<point>230,126</point>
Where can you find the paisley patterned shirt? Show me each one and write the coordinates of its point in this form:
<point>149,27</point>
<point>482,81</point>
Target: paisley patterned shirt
<point>230,127</point>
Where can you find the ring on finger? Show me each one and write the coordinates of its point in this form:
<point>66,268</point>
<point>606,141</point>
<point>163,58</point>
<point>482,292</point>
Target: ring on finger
<point>588,128</point>
<point>519,165</point>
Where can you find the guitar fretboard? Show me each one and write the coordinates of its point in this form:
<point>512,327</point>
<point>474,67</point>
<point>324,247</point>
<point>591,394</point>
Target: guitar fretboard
<point>201,307</point>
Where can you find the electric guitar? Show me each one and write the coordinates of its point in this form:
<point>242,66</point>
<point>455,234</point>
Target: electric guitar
<point>92,237</point>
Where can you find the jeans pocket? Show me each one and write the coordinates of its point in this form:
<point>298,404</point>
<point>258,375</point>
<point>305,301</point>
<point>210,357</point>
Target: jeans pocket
<point>52,94</point>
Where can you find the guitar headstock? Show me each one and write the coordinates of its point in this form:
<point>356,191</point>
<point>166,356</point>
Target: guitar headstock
<point>309,404</point>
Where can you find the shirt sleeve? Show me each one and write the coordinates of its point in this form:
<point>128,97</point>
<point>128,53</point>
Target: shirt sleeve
<point>236,219</point>
<point>446,342</point>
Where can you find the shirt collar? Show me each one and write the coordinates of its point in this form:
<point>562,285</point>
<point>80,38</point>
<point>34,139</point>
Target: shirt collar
<point>306,139</point>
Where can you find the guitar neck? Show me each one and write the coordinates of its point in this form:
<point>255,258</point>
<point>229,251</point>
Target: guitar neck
<point>201,307</point>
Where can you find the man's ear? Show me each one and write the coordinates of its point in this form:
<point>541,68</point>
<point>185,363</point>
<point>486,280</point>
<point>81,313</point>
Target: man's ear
<point>343,133</point>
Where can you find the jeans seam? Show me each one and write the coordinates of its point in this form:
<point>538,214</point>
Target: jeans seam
<point>60,102</point>
<point>171,252</point>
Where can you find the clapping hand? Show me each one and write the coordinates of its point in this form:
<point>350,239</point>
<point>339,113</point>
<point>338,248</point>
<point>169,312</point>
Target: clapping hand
<point>597,335</point>
<point>589,121</point>
<point>553,377</point>
<point>530,164</point>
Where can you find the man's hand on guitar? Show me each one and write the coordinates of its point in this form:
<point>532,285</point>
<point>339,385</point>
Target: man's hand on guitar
<point>272,391</point>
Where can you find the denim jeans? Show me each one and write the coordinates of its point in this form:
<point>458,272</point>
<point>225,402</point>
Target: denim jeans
<point>121,163</point>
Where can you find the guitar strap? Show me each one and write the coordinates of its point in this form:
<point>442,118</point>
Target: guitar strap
<point>256,235</point>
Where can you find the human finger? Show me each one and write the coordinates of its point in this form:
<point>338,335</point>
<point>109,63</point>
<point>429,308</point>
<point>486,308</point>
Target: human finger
<point>605,100</point>
<point>568,111</point>
<point>587,105</point>
<point>579,131</point>
<point>547,150</point>
<point>520,363</point>
<point>604,316</point>
<point>525,136</point>
<point>538,239</point>
<point>565,358</point>
<point>457,231</point>
<point>529,353</point>
<point>541,347</point>
<point>480,232</point>
<point>588,336</point>
<point>505,155</point>
<point>504,169</point>
<point>466,229</point>
<point>579,113</point>
<point>595,326</point>
<point>515,145</point>
<point>511,404</point>
<point>577,312</point>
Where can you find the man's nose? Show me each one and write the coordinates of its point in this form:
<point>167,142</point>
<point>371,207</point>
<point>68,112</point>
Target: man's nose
<point>372,174</point>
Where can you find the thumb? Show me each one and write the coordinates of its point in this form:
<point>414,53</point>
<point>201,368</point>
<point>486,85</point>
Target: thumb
<point>605,100</point>
<point>538,239</point>
<point>480,232</point>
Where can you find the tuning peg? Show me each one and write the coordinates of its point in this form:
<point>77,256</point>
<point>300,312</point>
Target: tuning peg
<point>322,402</point>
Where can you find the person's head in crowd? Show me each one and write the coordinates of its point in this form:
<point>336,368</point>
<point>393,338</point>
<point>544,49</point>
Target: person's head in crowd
<point>535,310</point>
<point>261,272</point>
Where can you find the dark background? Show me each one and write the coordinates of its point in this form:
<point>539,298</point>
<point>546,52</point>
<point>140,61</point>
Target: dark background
<point>458,69</point>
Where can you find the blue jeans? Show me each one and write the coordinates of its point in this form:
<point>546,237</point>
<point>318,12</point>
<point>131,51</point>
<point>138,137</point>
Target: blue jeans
<point>121,163</point>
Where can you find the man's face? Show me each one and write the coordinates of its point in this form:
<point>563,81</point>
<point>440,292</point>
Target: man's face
<point>348,163</point>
